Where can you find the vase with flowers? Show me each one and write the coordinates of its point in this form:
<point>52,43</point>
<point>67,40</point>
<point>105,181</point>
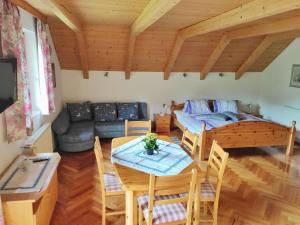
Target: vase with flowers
<point>150,143</point>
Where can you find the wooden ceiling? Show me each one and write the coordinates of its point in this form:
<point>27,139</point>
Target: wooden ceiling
<point>169,35</point>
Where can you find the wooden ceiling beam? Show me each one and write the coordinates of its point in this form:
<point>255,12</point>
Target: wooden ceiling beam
<point>74,24</point>
<point>246,13</point>
<point>262,47</point>
<point>173,56</point>
<point>278,26</point>
<point>33,11</point>
<point>215,55</point>
<point>154,10</point>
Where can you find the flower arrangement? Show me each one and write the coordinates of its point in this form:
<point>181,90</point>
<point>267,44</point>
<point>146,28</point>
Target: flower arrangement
<point>150,143</point>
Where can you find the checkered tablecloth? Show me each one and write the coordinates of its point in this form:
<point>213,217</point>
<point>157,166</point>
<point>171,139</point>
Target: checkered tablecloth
<point>171,160</point>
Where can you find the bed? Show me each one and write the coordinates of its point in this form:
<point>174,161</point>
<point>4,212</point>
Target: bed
<point>250,132</point>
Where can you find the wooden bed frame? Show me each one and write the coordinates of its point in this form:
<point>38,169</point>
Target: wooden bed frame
<point>242,134</point>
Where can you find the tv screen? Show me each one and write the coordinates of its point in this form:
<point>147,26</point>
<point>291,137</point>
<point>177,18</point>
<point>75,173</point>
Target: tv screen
<point>8,83</point>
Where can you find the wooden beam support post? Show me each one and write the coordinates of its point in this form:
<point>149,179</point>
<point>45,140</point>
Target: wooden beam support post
<point>154,10</point>
<point>215,55</point>
<point>173,56</point>
<point>246,13</point>
<point>74,24</point>
<point>33,11</point>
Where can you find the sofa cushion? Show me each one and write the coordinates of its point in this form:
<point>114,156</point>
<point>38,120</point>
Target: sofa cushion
<point>80,111</point>
<point>79,132</point>
<point>61,124</point>
<point>112,126</point>
<point>105,111</point>
<point>128,111</point>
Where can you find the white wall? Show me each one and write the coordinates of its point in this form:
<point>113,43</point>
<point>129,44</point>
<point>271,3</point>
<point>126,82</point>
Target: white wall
<point>280,102</point>
<point>151,88</point>
<point>9,151</point>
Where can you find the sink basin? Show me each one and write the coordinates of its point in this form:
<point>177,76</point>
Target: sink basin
<point>28,174</point>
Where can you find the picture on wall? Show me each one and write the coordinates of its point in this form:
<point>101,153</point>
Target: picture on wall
<point>295,78</point>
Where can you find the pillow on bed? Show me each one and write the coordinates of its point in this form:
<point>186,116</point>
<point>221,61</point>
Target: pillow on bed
<point>221,106</point>
<point>233,116</point>
<point>196,107</point>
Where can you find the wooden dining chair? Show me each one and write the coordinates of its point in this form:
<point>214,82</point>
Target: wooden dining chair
<point>137,128</point>
<point>109,183</point>
<point>209,192</point>
<point>189,142</point>
<point>165,203</point>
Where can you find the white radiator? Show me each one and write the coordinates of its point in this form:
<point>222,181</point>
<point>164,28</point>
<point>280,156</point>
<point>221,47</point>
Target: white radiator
<point>41,139</point>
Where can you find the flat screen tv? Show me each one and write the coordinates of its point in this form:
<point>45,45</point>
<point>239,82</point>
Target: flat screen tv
<point>8,83</point>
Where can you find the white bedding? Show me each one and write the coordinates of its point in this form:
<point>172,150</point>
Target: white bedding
<point>193,122</point>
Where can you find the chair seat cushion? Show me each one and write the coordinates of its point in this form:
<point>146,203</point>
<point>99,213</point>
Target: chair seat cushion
<point>79,132</point>
<point>164,213</point>
<point>207,191</point>
<point>111,183</point>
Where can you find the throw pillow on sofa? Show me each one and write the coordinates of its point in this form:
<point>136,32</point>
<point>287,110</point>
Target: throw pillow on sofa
<point>80,111</point>
<point>105,112</point>
<point>128,111</point>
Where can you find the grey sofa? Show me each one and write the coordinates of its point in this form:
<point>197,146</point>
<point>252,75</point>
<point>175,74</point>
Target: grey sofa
<point>78,123</point>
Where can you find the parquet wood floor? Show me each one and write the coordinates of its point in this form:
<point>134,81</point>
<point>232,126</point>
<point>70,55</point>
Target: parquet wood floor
<point>261,187</point>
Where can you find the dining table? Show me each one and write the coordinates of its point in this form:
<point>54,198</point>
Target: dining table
<point>135,182</point>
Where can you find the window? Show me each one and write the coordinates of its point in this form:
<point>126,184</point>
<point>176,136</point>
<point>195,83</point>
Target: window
<point>31,52</point>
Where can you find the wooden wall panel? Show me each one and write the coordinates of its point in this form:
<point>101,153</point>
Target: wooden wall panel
<point>65,44</point>
<point>270,54</point>
<point>152,50</point>
<point>235,54</point>
<point>107,47</point>
<point>195,52</point>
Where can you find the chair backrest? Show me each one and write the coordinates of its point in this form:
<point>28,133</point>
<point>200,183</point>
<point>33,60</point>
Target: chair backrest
<point>172,185</point>
<point>216,164</point>
<point>189,141</point>
<point>137,128</point>
<point>100,163</point>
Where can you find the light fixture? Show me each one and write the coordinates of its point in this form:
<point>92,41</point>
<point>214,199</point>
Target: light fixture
<point>221,74</point>
<point>184,74</point>
<point>106,74</point>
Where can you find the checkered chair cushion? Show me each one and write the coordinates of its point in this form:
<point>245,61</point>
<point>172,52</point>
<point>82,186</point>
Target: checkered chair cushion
<point>111,183</point>
<point>164,213</point>
<point>207,191</point>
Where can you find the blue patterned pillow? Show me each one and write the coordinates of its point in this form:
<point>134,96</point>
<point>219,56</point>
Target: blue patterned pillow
<point>105,112</point>
<point>128,111</point>
<point>80,111</point>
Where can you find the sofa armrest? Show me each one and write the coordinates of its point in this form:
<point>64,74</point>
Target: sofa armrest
<point>143,111</point>
<point>62,122</point>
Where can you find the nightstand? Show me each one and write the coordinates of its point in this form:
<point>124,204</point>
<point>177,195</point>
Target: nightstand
<point>163,124</point>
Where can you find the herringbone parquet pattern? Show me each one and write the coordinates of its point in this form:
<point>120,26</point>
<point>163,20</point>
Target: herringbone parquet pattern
<point>259,188</point>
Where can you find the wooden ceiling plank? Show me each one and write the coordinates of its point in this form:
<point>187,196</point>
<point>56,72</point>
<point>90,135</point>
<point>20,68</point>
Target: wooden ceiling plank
<point>265,43</point>
<point>154,10</point>
<point>173,56</point>
<point>215,55</point>
<point>74,24</point>
<point>246,13</point>
<point>33,11</point>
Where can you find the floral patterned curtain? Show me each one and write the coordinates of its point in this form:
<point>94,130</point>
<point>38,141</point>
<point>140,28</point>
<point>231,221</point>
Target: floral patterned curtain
<point>18,116</point>
<point>46,71</point>
<point>1,214</point>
